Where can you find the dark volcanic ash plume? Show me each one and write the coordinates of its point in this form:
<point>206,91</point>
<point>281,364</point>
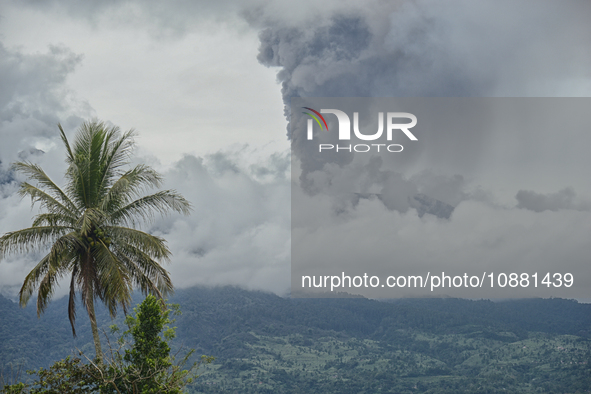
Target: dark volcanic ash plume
<point>482,198</point>
<point>423,48</point>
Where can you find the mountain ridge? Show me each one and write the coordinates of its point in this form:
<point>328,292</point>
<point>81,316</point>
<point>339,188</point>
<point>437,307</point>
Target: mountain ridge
<point>257,331</point>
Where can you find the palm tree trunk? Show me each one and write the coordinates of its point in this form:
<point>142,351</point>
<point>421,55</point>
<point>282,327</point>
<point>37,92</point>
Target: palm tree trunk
<point>93,326</point>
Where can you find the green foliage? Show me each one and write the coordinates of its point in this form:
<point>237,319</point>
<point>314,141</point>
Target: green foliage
<point>89,225</point>
<point>330,364</point>
<point>146,366</point>
<point>149,350</point>
<point>268,344</point>
<point>68,376</point>
<point>143,365</point>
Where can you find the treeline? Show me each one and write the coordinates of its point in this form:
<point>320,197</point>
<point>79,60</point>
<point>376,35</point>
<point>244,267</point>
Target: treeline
<point>417,342</point>
<point>218,320</point>
<point>213,315</point>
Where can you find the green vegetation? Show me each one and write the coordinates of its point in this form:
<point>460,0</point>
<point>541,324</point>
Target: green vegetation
<point>143,366</point>
<point>267,344</point>
<point>89,226</point>
<point>420,362</point>
<point>147,366</point>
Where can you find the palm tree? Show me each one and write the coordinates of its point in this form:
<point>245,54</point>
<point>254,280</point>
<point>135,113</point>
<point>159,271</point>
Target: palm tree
<point>89,226</point>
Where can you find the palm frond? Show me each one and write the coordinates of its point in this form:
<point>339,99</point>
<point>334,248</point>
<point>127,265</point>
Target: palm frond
<point>117,285</point>
<point>155,247</point>
<point>129,185</point>
<point>32,279</point>
<point>91,219</point>
<point>46,200</point>
<point>51,268</point>
<point>74,175</point>
<point>87,152</point>
<point>53,219</point>
<point>147,274</point>
<point>116,153</point>
<point>70,154</point>
<point>146,207</point>
<point>76,184</point>
<point>30,239</point>
<point>33,171</point>
<point>47,286</point>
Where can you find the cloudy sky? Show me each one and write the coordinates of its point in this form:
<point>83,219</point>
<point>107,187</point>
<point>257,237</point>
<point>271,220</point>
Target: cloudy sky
<point>206,84</point>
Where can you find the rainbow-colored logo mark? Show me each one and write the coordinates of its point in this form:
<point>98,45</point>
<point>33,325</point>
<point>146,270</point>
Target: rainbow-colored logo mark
<point>316,118</point>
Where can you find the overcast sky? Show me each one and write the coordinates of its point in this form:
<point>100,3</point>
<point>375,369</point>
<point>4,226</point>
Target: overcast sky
<point>205,84</point>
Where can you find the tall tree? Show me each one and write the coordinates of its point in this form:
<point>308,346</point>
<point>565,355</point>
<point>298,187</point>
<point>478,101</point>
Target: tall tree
<point>90,226</point>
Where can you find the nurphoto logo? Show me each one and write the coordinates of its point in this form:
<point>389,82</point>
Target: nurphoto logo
<point>344,130</point>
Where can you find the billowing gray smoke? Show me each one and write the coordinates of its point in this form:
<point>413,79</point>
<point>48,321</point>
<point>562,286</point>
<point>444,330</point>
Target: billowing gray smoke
<point>426,48</point>
<point>422,48</point>
<point>473,197</point>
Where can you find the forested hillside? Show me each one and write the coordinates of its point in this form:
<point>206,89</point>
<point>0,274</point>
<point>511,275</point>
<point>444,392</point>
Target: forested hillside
<point>267,344</point>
